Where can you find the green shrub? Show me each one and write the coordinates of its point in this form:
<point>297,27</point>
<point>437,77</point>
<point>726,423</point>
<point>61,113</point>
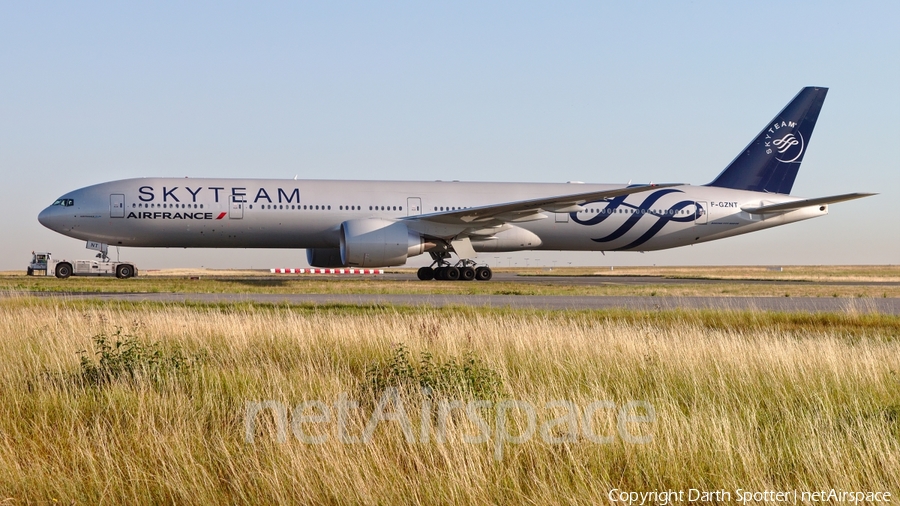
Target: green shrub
<point>123,357</point>
<point>465,376</point>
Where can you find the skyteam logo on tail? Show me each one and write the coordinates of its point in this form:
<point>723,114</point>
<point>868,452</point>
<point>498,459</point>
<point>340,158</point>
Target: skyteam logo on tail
<point>783,139</point>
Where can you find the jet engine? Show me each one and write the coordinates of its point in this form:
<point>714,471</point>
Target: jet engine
<point>324,257</point>
<point>376,242</point>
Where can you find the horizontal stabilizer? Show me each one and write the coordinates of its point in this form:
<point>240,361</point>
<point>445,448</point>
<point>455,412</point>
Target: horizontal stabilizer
<point>799,204</point>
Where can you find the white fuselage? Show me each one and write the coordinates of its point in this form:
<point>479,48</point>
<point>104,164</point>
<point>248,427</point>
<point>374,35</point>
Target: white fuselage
<point>270,213</point>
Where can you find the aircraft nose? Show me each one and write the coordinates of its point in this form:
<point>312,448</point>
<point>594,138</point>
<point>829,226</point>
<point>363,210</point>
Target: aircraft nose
<point>46,218</point>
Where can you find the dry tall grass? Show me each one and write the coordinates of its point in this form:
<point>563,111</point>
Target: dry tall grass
<point>741,401</point>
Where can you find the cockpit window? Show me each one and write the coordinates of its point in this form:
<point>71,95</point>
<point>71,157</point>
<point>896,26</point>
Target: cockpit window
<point>64,202</point>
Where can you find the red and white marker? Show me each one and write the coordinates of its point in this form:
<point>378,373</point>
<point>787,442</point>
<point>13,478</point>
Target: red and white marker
<point>326,271</point>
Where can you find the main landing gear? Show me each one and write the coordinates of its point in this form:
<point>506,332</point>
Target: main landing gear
<point>464,270</point>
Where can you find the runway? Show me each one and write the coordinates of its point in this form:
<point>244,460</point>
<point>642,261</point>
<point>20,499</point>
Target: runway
<point>648,280</point>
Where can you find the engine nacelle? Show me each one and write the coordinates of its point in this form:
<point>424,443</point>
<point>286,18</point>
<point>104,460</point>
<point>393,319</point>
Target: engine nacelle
<point>375,242</point>
<point>324,257</point>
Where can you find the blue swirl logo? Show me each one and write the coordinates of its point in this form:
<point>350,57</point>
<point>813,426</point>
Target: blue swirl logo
<point>641,211</point>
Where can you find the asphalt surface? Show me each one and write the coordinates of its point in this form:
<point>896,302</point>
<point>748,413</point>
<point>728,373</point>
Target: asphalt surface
<point>557,302</point>
<point>650,280</point>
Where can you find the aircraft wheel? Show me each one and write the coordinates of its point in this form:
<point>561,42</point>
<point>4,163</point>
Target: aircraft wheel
<point>63,270</point>
<point>451,273</point>
<point>425,273</point>
<point>466,273</point>
<point>483,274</point>
<point>124,271</point>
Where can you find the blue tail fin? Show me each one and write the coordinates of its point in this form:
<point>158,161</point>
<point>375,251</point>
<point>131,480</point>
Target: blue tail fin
<point>770,163</point>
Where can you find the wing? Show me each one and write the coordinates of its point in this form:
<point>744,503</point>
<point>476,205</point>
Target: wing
<point>457,226</point>
<point>799,204</point>
<point>526,210</point>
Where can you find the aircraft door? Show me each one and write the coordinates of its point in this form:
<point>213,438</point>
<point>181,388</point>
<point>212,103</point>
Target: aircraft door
<point>117,205</point>
<point>562,217</point>
<point>236,210</point>
<point>701,214</point>
<point>413,206</point>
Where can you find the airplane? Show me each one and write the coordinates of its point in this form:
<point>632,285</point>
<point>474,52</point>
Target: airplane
<point>343,223</point>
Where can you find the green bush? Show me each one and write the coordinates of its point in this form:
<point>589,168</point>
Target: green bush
<point>122,357</point>
<point>465,376</point>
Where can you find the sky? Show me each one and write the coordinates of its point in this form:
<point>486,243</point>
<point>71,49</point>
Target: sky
<point>602,92</point>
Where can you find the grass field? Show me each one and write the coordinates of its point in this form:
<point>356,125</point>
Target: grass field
<point>758,401</point>
<point>791,281</point>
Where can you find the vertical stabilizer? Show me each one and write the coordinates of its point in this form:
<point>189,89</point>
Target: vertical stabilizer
<point>770,163</point>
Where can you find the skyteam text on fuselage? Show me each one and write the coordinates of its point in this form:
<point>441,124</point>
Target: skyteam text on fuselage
<point>382,223</point>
